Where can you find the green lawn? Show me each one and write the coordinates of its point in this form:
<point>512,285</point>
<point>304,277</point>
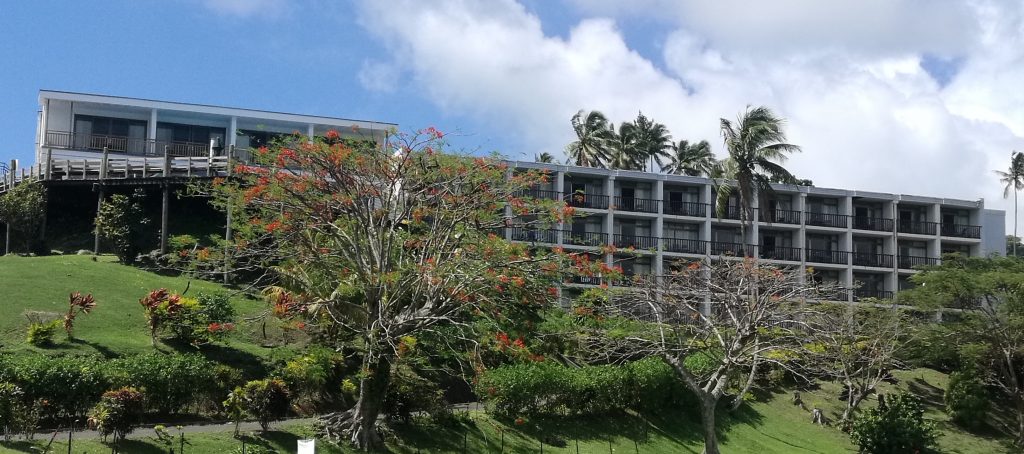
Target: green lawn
<point>118,325</point>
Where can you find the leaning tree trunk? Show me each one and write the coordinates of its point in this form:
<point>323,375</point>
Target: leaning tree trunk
<point>707,416</point>
<point>359,424</point>
<point>853,400</point>
<point>738,400</point>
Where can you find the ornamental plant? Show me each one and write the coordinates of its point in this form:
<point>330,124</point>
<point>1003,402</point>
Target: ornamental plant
<point>897,426</point>
<point>266,400</point>
<point>196,321</point>
<point>118,413</point>
<point>77,304</point>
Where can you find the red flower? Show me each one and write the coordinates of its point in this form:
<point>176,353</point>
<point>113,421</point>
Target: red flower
<point>520,421</point>
<point>332,135</point>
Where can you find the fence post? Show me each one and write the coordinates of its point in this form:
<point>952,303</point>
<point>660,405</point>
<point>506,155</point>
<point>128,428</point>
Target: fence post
<point>49,156</point>
<point>167,162</point>
<point>103,164</point>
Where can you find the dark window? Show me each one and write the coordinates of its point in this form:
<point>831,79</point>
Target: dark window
<point>115,134</point>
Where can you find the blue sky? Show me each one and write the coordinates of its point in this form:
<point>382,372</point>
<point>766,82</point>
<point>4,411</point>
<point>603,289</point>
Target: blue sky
<point>909,96</point>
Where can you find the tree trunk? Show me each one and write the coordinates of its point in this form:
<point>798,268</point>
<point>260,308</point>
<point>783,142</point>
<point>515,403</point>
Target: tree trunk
<point>707,416</point>
<point>853,400</point>
<point>373,386</point>
<point>738,401</point>
<point>1020,422</point>
<point>1015,228</point>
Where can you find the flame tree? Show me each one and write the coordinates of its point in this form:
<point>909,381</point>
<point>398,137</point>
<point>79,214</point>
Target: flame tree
<point>376,241</point>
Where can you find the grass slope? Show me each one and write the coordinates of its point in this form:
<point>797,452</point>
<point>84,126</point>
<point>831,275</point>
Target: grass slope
<point>117,326</point>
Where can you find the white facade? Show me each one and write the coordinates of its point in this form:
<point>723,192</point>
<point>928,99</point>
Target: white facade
<point>866,241</point>
<point>80,125</point>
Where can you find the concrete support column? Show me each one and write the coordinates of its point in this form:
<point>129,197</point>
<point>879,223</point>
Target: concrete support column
<point>309,132</point>
<point>44,116</point>
<point>164,209</point>
<point>609,220</point>
<point>754,234</point>
<point>935,215</point>
<point>659,228</point>
<point>707,196</point>
<point>893,209</point>
<point>96,234</point>
<point>560,191</point>
<point>151,132</point>
<point>801,235</point>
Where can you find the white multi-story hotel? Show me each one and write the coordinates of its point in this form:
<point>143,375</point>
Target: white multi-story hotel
<point>868,242</point>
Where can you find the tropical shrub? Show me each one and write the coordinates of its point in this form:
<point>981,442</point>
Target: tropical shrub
<point>121,221</point>
<point>11,398</point>
<point>265,400</point>
<point>77,304</point>
<point>172,382</point>
<point>196,321</point>
<point>41,334</point>
<point>64,386</point>
<point>967,400</point>
<point>410,393</point>
<point>118,413</point>
<point>315,377</point>
<point>896,427</point>
<point>24,208</point>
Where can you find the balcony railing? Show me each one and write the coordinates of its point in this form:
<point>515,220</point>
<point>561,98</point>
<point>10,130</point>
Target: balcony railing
<point>586,280</point>
<point>684,246</point>
<point>539,194</point>
<point>792,254</point>
<point>913,261</point>
<point>781,216</point>
<point>583,200</point>
<point>877,224</point>
<point>122,144</point>
<point>731,212</point>
<point>916,227</point>
<point>636,204</point>
<point>861,293</point>
<point>584,238</point>
<point>872,259</point>
<point>961,230</point>
<point>535,235</point>
<point>636,241</point>
<point>727,248</point>
<point>827,220</point>
<point>694,209</point>
<point>631,279</point>
<point>827,256</point>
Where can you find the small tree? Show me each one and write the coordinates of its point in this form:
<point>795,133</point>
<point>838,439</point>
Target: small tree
<point>896,427</point>
<point>77,304</point>
<point>24,209</point>
<point>118,413</point>
<point>122,221</point>
<point>856,346</point>
<point>712,321</point>
<point>265,400</point>
<point>967,400</point>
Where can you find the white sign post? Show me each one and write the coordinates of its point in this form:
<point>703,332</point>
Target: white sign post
<point>307,446</point>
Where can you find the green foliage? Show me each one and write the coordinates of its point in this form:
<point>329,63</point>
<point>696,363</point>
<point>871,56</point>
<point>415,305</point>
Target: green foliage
<point>118,413</point>
<point>24,208</point>
<point>266,400</point>
<point>121,221</point>
<point>314,378</point>
<point>550,388</point>
<point>41,334</point>
<point>172,382</point>
<point>411,393</point>
<point>967,400</point>
<point>11,398</point>
<point>196,321</point>
<point>897,427</point>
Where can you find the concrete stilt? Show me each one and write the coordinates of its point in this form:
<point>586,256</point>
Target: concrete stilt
<point>96,233</point>
<point>163,217</point>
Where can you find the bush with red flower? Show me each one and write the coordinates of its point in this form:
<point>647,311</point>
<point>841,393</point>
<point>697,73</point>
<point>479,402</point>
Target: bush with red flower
<point>196,321</point>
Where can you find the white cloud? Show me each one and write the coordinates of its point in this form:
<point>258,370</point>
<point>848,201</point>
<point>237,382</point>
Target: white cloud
<point>847,76</point>
<point>378,76</point>
<point>247,8</point>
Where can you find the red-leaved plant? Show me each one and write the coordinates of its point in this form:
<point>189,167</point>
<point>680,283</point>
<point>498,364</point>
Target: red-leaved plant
<point>77,304</point>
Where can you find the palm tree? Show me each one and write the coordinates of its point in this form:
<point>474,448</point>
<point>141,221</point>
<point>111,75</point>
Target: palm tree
<point>652,140</point>
<point>1013,178</point>
<point>691,159</point>
<point>622,148</point>
<point>593,132</point>
<point>544,157</point>
<point>757,148</point>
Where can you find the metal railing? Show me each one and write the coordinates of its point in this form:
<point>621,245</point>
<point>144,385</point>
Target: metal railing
<point>913,261</point>
<point>916,227</point>
<point>539,194</point>
<point>827,256</point>
<point>781,216</point>
<point>827,220</point>
<point>792,254</point>
<point>728,248</point>
<point>861,293</point>
<point>635,241</point>
<point>694,209</point>
<point>872,259</point>
<point>584,238</point>
<point>583,200</point>
<point>731,212</point>
<point>585,280</point>
<point>684,246</point>
<point>535,235</point>
<point>876,224</point>
<point>961,230</point>
<point>122,144</point>
<point>636,204</point>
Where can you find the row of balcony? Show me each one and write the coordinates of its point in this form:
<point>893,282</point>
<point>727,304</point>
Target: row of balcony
<point>628,280</point>
<point>697,209</point>
<point>701,247</point>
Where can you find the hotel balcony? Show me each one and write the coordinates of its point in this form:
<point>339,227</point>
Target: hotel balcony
<point>876,224</point>
<point>684,246</point>
<point>791,254</point>
<point>911,261</point>
<point>544,194</point>
<point>534,235</point>
<point>917,227</point>
<point>862,293</point>
<point>827,256</point>
<point>961,230</point>
<point>872,259</point>
<point>728,248</point>
<point>827,220</point>
<point>781,216</point>
<point>584,238</point>
<point>133,146</point>
<point>636,241</point>
<point>636,204</point>
<point>693,209</point>
<point>583,200</point>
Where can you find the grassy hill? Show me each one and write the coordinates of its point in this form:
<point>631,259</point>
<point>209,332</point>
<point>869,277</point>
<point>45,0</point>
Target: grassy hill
<point>769,425</point>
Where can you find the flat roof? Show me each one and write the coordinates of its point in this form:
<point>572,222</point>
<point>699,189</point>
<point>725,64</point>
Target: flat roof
<point>202,108</point>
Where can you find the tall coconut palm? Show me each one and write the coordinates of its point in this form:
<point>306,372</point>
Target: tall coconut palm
<point>693,159</point>
<point>757,147</point>
<point>652,140</point>
<point>623,152</point>
<point>593,132</point>
<point>544,157</point>
<point>1013,178</point>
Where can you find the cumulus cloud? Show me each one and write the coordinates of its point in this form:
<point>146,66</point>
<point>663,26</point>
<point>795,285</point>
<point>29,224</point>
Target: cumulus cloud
<point>848,75</point>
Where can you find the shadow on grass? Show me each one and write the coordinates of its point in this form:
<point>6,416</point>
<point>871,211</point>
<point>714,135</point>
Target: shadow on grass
<point>101,349</point>
<point>252,365</point>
